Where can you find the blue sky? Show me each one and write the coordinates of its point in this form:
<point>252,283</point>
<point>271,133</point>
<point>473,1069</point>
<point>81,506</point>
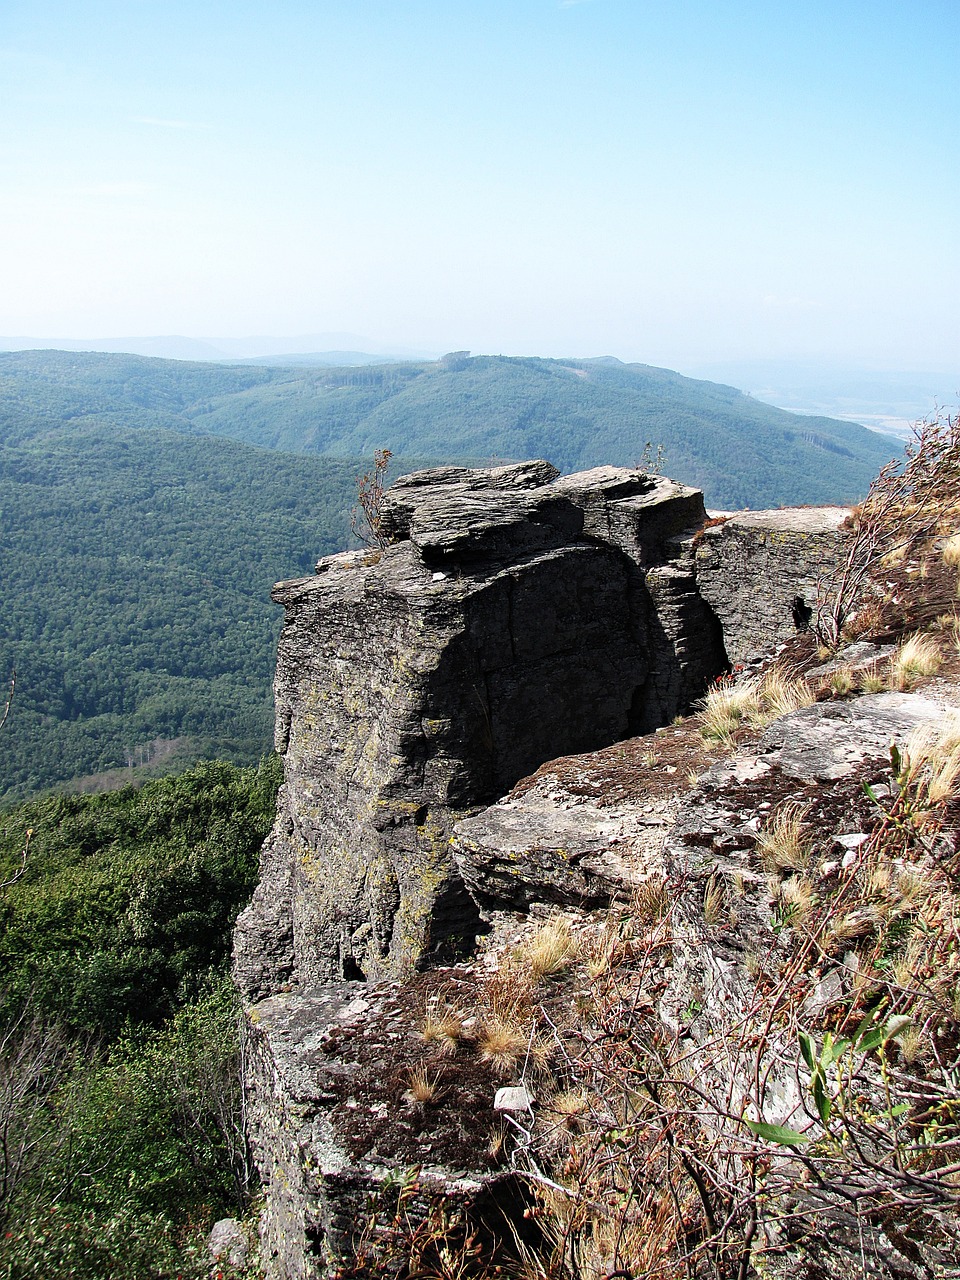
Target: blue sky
<point>667,182</point>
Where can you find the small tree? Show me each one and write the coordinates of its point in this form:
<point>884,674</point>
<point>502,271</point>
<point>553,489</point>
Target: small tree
<point>366,514</point>
<point>24,852</point>
<point>911,501</point>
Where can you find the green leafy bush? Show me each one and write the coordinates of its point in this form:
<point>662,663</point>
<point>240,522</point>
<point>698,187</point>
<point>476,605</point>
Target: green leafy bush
<point>129,897</point>
<point>119,1049</point>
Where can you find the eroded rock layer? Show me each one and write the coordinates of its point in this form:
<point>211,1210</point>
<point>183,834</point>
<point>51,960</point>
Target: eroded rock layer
<point>514,617</point>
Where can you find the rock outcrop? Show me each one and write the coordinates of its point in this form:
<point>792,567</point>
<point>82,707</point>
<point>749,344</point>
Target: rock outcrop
<point>759,571</point>
<point>513,617</point>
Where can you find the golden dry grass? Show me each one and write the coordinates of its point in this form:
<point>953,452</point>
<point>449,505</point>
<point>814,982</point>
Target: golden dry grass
<point>950,551</point>
<point>422,1089</point>
<point>779,694</point>
<point>550,949</point>
<point>603,949</point>
<point>797,897</point>
<point>650,901</point>
<point>842,681</point>
<point>714,898</point>
<point>725,708</point>
<point>501,1042</point>
<point>913,1044</point>
<point>442,1028</point>
<point>874,680</point>
<point>783,841</point>
<point>917,655</point>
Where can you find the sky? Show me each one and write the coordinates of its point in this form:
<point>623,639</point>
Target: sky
<point>672,182</point>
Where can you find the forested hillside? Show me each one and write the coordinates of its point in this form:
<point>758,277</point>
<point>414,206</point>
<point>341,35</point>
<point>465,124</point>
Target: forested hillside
<point>576,413</point>
<point>137,567</point>
<point>139,546</point>
<point>120,1108</point>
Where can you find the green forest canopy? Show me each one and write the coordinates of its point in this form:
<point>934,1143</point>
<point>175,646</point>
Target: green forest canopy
<point>136,594</point>
<point>576,413</point>
<point>139,544</point>
<point>121,1109</point>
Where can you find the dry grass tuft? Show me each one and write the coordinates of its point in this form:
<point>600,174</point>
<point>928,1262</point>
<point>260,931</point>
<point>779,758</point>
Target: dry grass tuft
<point>779,694</point>
<point>797,898</point>
<point>944,774</point>
<point>918,655</point>
<point>875,681</point>
<point>725,708</point>
<point>567,1111</point>
<point>913,885</point>
<point>784,845</point>
<point>855,924</point>
<point>443,1028</point>
<point>913,1044</point>
<point>714,898</point>
<point>496,1143</point>
<point>550,949</point>
<point>950,551</point>
<point>930,765</point>
<point>422,1090</point>
<point>650,902</point>
<point>502,1042</point>
<point>603,950</point>
<point>841,682</point>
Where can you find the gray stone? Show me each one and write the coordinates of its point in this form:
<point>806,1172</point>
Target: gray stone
<point>516,617</point>
<point>548,846</point>
<point>830,740</point>
<point>405,702</point>
<point>325,1077</point>
<point>759,570</point>
<point>228,1242</point>
<point>514,1098</point>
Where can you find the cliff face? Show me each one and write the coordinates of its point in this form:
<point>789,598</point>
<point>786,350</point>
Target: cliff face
<point>515,617</point>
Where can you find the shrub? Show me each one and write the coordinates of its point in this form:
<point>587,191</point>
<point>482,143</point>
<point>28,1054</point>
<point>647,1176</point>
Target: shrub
<point>910,503</point>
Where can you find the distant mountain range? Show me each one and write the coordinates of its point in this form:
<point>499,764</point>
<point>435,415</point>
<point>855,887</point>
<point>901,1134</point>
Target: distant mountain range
<point>139,544</point>
<point>577,413</point>
<point>322,348</point>
<point>881,398</point>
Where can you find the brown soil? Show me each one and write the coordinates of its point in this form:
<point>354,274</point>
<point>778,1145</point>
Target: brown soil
<point>454,1128</point>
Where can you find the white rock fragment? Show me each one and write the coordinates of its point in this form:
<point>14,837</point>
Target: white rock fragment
<point>513,1097</point>
<point>353,1009</point>
<point>228,1241</point>
<point>852,841</point>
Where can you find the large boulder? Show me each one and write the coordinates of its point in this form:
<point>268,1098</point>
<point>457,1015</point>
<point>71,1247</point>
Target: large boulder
<point>505,626</point>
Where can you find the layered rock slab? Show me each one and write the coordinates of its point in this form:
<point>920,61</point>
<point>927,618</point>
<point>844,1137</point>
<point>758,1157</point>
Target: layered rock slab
<point>333,1121</point>
<point>760,572</point>
<point>417,684</point>
<point>515,617</point>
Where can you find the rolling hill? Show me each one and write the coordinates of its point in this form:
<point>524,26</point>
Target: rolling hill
<point>147,505</point>
<point>576,413</point>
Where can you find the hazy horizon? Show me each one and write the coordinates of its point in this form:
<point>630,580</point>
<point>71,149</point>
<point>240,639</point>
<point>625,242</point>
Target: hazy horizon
<point>886,400</point>
<point>668,184</point>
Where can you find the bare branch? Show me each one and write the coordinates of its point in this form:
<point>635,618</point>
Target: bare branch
<point>366,515</point>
